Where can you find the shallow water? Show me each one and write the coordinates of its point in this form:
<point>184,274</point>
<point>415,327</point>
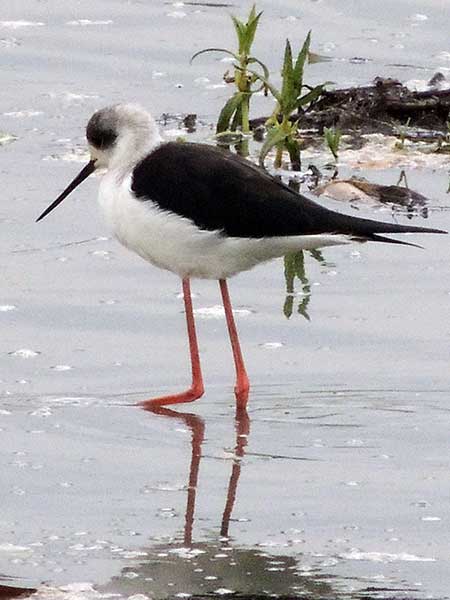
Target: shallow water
<point>343,486</point>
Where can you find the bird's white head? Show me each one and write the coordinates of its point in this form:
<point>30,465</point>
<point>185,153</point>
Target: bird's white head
<point>119,137</point>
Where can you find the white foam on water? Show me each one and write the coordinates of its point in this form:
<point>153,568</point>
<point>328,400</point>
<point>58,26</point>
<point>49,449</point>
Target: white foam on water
<point>271,345</point>
<point>218,312</point>
<point>14,549</point>
<point>70,400</point>
<point>7,307</point>
<point>88,22</point>
<point>186,552</point>
<point>72,97</point>
<point>6,138</point>
<point>418,17</point>
<point>20,24</point>
<point>385,557</point>
<point>24,353</point>
<point>21,114</point>
<point>177,14</point>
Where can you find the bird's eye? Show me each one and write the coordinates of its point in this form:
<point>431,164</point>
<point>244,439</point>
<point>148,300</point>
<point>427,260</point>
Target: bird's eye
<point>101,138</point>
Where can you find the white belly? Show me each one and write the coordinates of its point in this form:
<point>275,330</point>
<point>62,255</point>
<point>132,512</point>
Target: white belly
<point>174,243</point>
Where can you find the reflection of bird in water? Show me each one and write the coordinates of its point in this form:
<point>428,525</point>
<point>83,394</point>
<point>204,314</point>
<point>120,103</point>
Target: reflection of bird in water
<point>214,565</point>
<point>200,212</point>
<point>198,568</point>
<point>197,427</point>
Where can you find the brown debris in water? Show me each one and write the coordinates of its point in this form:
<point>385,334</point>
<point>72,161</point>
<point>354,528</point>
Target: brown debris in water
<point>378,108</point>
<point>7,592</point>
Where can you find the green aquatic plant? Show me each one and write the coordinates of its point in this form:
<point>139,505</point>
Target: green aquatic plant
<point>291,102</point>
<point>294,268</point>
<point>332,137</point>
<point>235,113</point>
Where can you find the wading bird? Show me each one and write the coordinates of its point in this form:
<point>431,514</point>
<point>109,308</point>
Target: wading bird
<point>200,211</point>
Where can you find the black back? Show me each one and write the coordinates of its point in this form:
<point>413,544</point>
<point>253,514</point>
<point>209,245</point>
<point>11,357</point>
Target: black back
<point>218,190</point>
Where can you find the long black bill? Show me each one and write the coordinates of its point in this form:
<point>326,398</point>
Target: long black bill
<point>82,175</point>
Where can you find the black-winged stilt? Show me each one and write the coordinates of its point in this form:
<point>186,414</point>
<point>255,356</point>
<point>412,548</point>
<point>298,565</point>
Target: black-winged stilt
<point>202,212</point>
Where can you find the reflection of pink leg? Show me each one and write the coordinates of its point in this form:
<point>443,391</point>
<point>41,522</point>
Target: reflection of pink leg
<point>197,427</point>
<point>196,390</point>
<point>242,386</point>
<point>242,425</point>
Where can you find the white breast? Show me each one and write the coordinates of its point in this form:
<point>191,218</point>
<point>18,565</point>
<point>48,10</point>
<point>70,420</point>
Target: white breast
<point>174,243</point>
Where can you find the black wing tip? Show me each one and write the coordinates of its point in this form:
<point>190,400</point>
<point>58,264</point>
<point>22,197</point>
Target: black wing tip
<point>425,230</point>
<point>380,229</point>
<point>382,238</point>
<point>375,237</point>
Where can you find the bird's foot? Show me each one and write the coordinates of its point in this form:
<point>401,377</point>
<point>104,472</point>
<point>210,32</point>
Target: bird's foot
<point>193,393</point>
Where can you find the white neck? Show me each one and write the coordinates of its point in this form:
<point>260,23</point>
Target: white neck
<point>133,145</point>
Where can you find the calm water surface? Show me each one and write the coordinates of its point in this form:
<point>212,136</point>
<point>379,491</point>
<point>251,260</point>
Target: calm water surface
<point>337,485</point>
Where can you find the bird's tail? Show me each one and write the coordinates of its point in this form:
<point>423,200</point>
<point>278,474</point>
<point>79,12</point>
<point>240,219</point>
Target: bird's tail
<point>368,230</point>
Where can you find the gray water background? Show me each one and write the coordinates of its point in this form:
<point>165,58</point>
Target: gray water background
<point>361,392</point>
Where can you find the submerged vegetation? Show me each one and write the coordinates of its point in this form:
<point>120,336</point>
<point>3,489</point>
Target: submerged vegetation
<point>294,268</point>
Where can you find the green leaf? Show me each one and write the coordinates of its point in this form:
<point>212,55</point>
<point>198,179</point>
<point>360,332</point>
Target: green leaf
<point>289,275</point>
<point>311,96</point>
<point>300,62</point>
<point>239,27</point>
<point>274,137</point>
<point>253,60</point>
<point>318,256</point>
<point>289,272</point>
<point>237,119</point>
<point>332,138</point>
<point>227,112</point>
<point>287,74</point>
<point>303,307</point>
<point>299,267</point>
<point>293,147</point>
<point>252,25</point>
<point>226,138</point>
<point>273,90</point>
<point>213,50</point>
<point>288,306</point>
<point>252,14</point>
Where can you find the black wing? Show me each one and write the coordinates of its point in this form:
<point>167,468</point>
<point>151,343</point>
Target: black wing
<point>218,190</point>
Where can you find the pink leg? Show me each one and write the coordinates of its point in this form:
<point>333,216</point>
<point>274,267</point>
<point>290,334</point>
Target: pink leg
<point>196,390</point>
<point>242,386</point>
